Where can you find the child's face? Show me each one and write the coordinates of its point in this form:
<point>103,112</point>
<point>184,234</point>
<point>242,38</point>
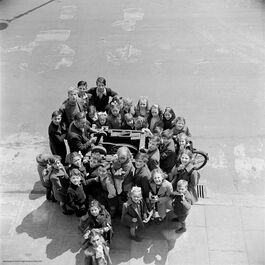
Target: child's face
<point>167,115</point>
<point>73,96</point>
<point>180,125</point>
<point>95,241</point>
<point>185,159</point>
<point>82,88</point>
<point>182,141</point>
<point>93,162</point>
<point>57,119</point>
<point>152,146</point>
<point>126,105</point>
<point>138,124</point>
<point>101,87</point>
<point>158,178</point>
<point>94,210</point>
<point>115,112</point>
<point>181,189</point>
<point>102,119</point>
<point>77,161</point>
<point>57,164</point>
<point>139,163</point>
<point>136,197</point>
<point>129,122</point>
<point>92,112</point>
<point>143,104</point>
<point>154,112</point>
<point>86,158</point>
<point>102,172</point>
<point>165,140</point>
<point>75,179</point>
<point>122,157</point>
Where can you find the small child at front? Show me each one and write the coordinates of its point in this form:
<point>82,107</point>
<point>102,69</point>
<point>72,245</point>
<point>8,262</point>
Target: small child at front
<point>114,118</point>
<point>134,212</point>
<point>123,170</point>
<point>182,201</point>
<point>99,219</point>
<point>76,194</point>
<point>97,251</point>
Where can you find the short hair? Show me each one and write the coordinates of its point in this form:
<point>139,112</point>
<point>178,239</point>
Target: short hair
<point>127,101</point>
<point>126,150</point>
<point>157,171</point>
<point>155,139</point>
<point>55,158</point>
<point>75,172</point>
<point>102,114</point>
<point>93,233</point>
<point>135,190</point>
<point>81,83</point>
<point>182,183</point>
<point>128,117</point>
<point>95,203</point>
<point>188,153</point>
<point>180,119</point>
<point>167,134</point>
<point>56,113</point>
<point>182,136</point>
<point>141,156</point>
<point>73,155</point>
<point>101,80</point>
<point>72,90</point>
<point>79,116</point>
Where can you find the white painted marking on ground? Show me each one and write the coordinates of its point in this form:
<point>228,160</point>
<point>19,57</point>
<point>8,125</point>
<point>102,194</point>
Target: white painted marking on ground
<point>64,62</point>
<point>53,35</point>
<point>130,18</point>
<point>68,12</point>
<point>128,54</point>
<point>248,168</point>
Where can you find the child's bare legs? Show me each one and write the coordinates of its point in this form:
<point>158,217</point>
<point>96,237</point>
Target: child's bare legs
<point>118,185</point>
<point>133,234</point>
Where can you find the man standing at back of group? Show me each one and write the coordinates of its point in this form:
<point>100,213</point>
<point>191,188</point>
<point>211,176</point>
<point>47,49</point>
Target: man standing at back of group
<point>100,95</point>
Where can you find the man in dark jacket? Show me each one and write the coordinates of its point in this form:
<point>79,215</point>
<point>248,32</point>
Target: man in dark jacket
<point>79,134</point>
<point>100,95</point>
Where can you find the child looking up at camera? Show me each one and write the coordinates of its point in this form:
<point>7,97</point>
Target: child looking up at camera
<point>182,201</point>
<point>134,212</point>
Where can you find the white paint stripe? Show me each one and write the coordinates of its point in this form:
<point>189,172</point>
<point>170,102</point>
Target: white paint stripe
<point>53,35</point>
<point>68,12</point>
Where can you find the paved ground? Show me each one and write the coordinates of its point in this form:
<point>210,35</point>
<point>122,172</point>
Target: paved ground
<point>204,58</point>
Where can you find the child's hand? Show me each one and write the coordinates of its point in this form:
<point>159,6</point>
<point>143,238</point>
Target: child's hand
<point>134,220</point>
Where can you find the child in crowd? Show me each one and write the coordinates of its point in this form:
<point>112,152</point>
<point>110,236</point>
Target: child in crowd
<point>180,127</point>
<point>187,172</point>
<point>127,107</point>
<point>57,135</point>
<point>76,163</point>
<point>98,219</point>
<point>142,107</point>
<point>92,116</point>
<point>44,168</point>
<point>155,118</point>
<point>101,95</point>
<point>71,106</point>
<point>123,170</point>
<point>140,123</point>
<point>76,194</point>
<point>134,212</point>
<point>181,204</point>
<point>167,152</point>
<point>102,121</point>
<point>114,118</point>
<point>153,153</point>
<point>182,144</point>
<point>142,175</point>
<point>60,183</point>
<point>160,190</point>
<point>97,251</point>
<point>168,118</point>
<point>128,122</point>
<point>82,92</point>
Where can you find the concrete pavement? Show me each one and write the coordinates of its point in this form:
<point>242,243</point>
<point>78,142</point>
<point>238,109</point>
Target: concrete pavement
<point>228,231</point>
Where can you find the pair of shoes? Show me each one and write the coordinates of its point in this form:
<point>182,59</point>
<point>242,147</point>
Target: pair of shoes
<point>181,230</point>
<point>175,219</point>
<point>136,238</point>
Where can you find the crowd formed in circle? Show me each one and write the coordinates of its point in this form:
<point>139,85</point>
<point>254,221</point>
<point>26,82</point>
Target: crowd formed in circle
<point>158,179</point>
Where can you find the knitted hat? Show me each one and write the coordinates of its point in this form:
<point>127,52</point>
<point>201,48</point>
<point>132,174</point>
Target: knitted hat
<point>100,149</point>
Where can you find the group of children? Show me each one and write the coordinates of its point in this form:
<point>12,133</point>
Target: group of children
<point>97,187</point>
